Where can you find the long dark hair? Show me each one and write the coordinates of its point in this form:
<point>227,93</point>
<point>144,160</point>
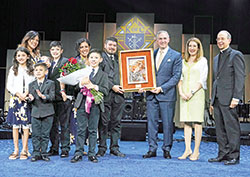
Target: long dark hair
<point>31,35</point>
<point>29,63</point>
<point>78,43</point>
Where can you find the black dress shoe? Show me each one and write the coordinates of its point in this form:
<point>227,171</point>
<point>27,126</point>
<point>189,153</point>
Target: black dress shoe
<point>149,154</point>
<point>76,158</point>
<point>217,159</point>
<point>166,154</point>
<point>100,153</point>
<point>232,162</point>
<point>53,153</point>
<point>93,159</point>
<point>117,153</point>
<point>45,158</point>
<point>64,154</point>
<point>35,158</point>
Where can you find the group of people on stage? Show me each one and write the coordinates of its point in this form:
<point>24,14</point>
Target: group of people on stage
<point>37,97</point>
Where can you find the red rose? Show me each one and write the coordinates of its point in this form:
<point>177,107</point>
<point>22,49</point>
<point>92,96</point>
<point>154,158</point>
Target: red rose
<point>73,61</point>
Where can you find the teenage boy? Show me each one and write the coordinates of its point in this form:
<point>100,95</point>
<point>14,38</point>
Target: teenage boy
<point>41,95</point>
<point>97,80</point>
<point>62,106</point>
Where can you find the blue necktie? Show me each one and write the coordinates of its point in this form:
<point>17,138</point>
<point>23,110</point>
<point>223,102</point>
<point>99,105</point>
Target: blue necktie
<point>92,74</point>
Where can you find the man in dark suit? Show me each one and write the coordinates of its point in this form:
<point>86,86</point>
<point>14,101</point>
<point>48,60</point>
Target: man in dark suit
<point>41,95</point>
<point>62,107</point>
<point>161,100</point>
<point>228,86</point>
<point>113,103</point>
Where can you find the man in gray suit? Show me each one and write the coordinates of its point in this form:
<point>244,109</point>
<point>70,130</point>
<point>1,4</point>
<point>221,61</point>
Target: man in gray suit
<point>228,86</point>
<point>161,100</point>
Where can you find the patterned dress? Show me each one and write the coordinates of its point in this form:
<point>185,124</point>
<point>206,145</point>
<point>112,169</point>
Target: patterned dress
<point>19,111</point>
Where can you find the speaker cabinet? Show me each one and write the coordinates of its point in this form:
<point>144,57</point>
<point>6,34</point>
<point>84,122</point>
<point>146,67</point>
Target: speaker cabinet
<point>133,131</point>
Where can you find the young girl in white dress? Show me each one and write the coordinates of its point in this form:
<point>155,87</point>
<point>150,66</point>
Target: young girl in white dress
<point>20,75</point>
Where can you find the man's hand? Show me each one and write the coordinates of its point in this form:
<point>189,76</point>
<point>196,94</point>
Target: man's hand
<point>234,103</point>
<point>141,90</point>
<point>157,90</point>
<point>211,109</point>
<point>118,89</point>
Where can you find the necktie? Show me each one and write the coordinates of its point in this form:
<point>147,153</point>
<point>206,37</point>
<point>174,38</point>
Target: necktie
<point>53,65</point>
<point>40,85</point>
<point>92,74</point>
<point>112,59</point>
<point>159,59</point>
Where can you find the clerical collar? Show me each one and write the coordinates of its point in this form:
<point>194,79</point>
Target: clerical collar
<point>224,50</point>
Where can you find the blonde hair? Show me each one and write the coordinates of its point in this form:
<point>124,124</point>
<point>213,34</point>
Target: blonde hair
<point>199,52</point>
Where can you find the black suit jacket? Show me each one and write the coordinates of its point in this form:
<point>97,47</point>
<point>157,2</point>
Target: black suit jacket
<point>229,78</point>
<point>100,79</point>
<point>55,75</point>
<point>42,107</point>
<point>113,76</point>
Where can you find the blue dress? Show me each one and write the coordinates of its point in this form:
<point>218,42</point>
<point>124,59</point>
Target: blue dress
<point>19,112</point>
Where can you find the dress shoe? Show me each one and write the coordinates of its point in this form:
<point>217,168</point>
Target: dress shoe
<point>64,154</point>
<point>93,159</point>
<point>53,153</point>
<point>185,155</point>
<point>194,157</point>
<point>149,154</point>
<point>100,153</point>
<point>217,159</point>
<point>76,158</point>
<point>117,153</point>
<point>166,154</point>
<point>35,158</point>
<point>45,158</point>
<point>232,162</point>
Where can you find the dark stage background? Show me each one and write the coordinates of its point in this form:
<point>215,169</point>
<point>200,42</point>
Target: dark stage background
<point>53,16</point>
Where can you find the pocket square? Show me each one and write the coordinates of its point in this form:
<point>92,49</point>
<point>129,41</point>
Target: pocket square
<point>169,60</point>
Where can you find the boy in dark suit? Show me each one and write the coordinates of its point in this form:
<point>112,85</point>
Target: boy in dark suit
<point>62,105</point>
<point>41,95</point>
<point>97,80</point>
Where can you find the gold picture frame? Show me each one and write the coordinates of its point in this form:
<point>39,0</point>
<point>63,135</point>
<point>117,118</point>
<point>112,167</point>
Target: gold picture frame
<point>137,70</point>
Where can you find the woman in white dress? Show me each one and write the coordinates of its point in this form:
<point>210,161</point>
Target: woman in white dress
<point>192,87</point>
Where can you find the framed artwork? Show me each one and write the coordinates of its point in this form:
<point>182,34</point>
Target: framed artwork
<point>137,69</point>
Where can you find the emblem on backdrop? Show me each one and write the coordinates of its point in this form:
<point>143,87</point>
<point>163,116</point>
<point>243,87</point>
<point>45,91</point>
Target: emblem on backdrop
<point>134,35</point>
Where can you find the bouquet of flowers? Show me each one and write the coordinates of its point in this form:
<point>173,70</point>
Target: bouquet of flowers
<point>73,71</point>
<point>71,66</point>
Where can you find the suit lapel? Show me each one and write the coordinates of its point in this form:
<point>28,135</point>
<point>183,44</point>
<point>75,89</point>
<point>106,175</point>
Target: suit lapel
<point>44,85</point>
<point>216,62</point>
<point>222,64</point>
<point>165,59</point>
<point>109,61</point>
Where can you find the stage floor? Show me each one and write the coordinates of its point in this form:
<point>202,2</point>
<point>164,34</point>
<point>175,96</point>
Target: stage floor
<point>133,165</point>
